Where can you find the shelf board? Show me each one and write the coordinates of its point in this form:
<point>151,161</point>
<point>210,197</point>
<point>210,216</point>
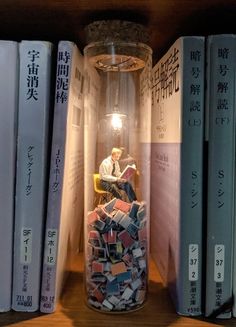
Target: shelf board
<point>73,311</point>
<point>165,19</point>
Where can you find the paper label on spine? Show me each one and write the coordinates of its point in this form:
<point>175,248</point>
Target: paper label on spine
<point>219,263</point>
<point>26,245</point>
<point>193,254</point>
<point>51,247</point>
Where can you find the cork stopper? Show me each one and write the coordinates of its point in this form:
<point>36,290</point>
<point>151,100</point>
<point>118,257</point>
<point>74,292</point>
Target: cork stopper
<point>116,45</point>
<point>116,31</point>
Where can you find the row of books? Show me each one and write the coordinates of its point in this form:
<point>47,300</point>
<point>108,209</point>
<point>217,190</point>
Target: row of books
<point>193,173</point>
<point>192,184</point>
<point>41,170</point>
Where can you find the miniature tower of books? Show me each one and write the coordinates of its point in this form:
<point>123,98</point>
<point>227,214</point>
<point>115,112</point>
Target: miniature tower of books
<point>117,165</point>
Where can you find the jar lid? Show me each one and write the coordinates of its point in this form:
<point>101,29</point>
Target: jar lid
<point>116,31</point>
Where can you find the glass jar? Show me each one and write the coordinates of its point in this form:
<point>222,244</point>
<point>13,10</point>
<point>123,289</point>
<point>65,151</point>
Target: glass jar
<point>117,136</point>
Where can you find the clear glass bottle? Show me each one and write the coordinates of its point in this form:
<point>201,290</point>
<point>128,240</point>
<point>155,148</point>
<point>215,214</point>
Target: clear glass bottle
<point>117,129</point>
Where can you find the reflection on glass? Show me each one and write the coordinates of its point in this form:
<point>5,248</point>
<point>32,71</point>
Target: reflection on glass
<point>117,168</point>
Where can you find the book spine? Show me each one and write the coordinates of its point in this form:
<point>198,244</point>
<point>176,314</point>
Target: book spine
<point>65,200</point>
<point>8,112</point>
<point>189,285</point>
<point>50,260</point>
<point>31,183</point>
<point>177,167</point>
<point>221,54</point>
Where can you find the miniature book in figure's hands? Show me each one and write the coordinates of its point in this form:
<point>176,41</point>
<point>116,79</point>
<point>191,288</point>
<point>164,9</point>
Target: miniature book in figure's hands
<point>128,171</point>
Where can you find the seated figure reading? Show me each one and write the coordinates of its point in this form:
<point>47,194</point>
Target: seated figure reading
<point>110,179</point>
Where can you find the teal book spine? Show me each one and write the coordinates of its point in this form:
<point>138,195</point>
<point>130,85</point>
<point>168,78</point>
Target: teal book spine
<point>220,106</point>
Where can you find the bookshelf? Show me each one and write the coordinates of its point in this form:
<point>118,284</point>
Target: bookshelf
<point>166,20</point>
<point>72,310</point>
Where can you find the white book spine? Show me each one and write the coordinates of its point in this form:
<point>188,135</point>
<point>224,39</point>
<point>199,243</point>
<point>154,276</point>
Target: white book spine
<point>66,155</point>
<point>177,171</point>
<point>8,112</point>
<point>31,172</point>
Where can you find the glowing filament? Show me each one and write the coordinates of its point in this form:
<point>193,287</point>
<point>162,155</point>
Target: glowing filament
<point>116,121</point>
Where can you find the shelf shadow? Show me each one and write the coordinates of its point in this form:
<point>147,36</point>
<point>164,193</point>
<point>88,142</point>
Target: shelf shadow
<point>157,311</point>
<point>13,317</point>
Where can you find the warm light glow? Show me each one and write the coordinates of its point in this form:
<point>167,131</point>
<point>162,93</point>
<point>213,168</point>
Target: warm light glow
<point>116,122</point>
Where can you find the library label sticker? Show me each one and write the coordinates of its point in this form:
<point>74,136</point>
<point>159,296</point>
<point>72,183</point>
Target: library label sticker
<point>26,245</point>
<point>50,247</point>
<point>219,263</point>
<point>193,254</point>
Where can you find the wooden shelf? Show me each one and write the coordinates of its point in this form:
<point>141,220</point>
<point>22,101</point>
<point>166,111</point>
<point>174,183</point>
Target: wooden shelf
<point>72,310</point>
<point>165,19</point>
